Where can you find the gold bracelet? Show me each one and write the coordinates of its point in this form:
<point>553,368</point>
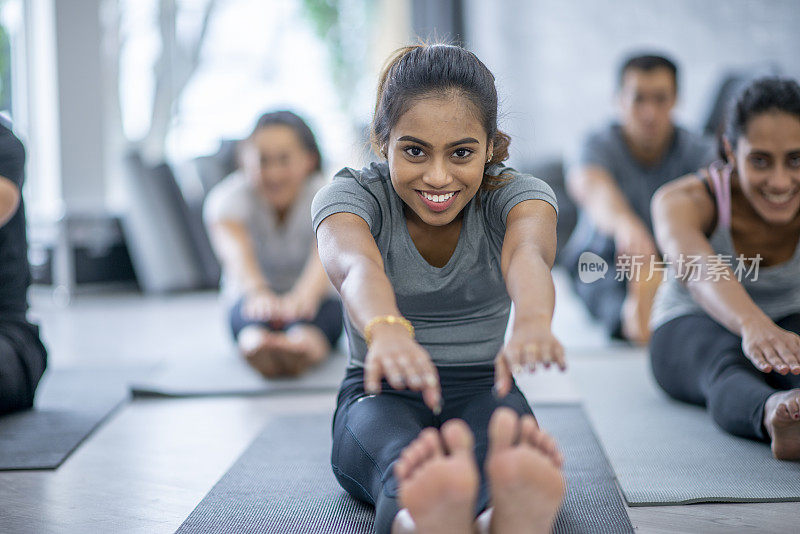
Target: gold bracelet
<point>386,319</point>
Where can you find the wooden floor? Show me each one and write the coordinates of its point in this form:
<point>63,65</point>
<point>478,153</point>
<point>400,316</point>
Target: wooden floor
<point>153,461</point>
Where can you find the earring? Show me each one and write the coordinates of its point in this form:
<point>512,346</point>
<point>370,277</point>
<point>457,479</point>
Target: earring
<point>490,157</point>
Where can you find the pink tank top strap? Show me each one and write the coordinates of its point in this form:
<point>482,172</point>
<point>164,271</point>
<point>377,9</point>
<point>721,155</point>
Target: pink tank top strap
<point>721,176</point>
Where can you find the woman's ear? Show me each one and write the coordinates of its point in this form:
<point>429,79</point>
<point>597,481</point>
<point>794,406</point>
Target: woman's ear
<point>730,157</point>
<point>489,151</point>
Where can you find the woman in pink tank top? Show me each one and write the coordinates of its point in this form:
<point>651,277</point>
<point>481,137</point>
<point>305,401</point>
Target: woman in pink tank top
<point>726,332</point>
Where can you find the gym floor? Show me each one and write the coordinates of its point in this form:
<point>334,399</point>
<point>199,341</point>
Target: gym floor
<point>152,461</point>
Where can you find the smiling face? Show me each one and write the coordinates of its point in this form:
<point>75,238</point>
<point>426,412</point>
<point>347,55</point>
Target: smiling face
<point>646,100</point>
<point>768,165</point>
<point>437,152</point>
<point>276,161</point>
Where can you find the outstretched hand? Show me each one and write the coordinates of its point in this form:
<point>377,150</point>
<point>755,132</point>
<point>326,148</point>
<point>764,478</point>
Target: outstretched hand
<point>771,348</point>
<point>530,345</point>
<point>405,364</point>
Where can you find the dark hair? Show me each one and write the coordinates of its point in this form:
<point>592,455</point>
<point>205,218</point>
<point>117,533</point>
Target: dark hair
<point>293,121</point>
<point>414,72</point>
<point>647,63</point>
<point>759,96</point>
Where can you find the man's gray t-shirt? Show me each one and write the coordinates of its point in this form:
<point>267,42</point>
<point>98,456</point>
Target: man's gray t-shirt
<point>459,311</point>
<point>607,148</point>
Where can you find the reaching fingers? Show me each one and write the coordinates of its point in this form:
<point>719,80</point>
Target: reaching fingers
<point>514,358</point>
<point>558,354</point>
<point>502,375</point>
<point>373,371</point>
<point>393,372</point>
<point>534,354</point>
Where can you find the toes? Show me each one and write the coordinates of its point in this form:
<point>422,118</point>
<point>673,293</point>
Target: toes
<point>457,436</point>
<point>503,428</point>
<point>533,435</point>
<point>425,446</point>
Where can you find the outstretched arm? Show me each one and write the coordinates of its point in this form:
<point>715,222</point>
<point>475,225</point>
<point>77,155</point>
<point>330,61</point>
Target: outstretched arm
<point>529,249</point>
<point>355,267</point>
<point>308,291</point>
<point>682,210</point>
<point>594,190</point>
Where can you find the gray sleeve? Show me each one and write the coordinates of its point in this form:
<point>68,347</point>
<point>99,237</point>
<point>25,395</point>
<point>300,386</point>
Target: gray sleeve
<point>227,201</point>
<point>346,194</point>
<point>593,151</point>
<point>521,187</point>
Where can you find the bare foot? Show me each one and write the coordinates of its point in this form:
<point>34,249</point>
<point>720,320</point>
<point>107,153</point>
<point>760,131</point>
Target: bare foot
<point>524,471</point>
<point>311,341</point>
<point>270,353</point>
<point>438,479</point>
<point>782,421</point>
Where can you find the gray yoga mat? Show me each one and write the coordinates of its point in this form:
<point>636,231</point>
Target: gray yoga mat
<point>69,405</point>
<point>666,452</point>
<point>279,487</point>
<point>233,376</point>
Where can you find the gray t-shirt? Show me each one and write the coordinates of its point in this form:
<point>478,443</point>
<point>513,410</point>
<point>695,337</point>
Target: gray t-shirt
<point>459,311</point>
<point>607,148</point>
<point>282,249</point>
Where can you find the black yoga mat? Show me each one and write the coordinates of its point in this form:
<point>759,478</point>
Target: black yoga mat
<point>69,405</point>
<point>283,483</point>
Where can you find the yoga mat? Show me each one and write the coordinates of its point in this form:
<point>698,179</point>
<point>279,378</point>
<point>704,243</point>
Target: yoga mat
<point>234,376</point>
<point>277,486</point>
<point>69,405</point>
<point>667,452</point>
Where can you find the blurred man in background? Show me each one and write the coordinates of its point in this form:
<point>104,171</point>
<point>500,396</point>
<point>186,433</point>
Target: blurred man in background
<point>617,170</point>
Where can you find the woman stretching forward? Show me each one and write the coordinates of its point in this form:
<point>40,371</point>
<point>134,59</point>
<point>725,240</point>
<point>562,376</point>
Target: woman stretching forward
<point>428,250</point>
<point>728,344</point>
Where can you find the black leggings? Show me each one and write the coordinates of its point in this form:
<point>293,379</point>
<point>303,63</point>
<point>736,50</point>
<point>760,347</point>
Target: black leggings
<point>697,360</point>
<point>328,319</point>
<point>23,359</point>
<point>370,431</point>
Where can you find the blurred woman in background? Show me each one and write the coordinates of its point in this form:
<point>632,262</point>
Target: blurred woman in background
<point>283,312</point>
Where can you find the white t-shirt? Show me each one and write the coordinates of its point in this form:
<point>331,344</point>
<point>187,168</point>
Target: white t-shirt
<point>282,250</point>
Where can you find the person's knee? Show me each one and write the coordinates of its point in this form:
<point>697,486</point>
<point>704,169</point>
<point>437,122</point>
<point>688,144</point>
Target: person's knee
<point>21,368</point>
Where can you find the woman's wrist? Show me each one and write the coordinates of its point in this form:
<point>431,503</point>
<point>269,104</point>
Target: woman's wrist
<point>387,324</point>
<point>533,319</point>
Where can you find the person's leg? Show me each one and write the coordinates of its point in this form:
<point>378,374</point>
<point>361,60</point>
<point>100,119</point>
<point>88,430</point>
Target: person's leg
<point>313,339</point>
<point>265,348</point>
<point>697,360</point>
<point>469,396</point>
<point>517,461</point>
<point>369,433</point>
<point>23,360</point>
<point>604,299</point>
